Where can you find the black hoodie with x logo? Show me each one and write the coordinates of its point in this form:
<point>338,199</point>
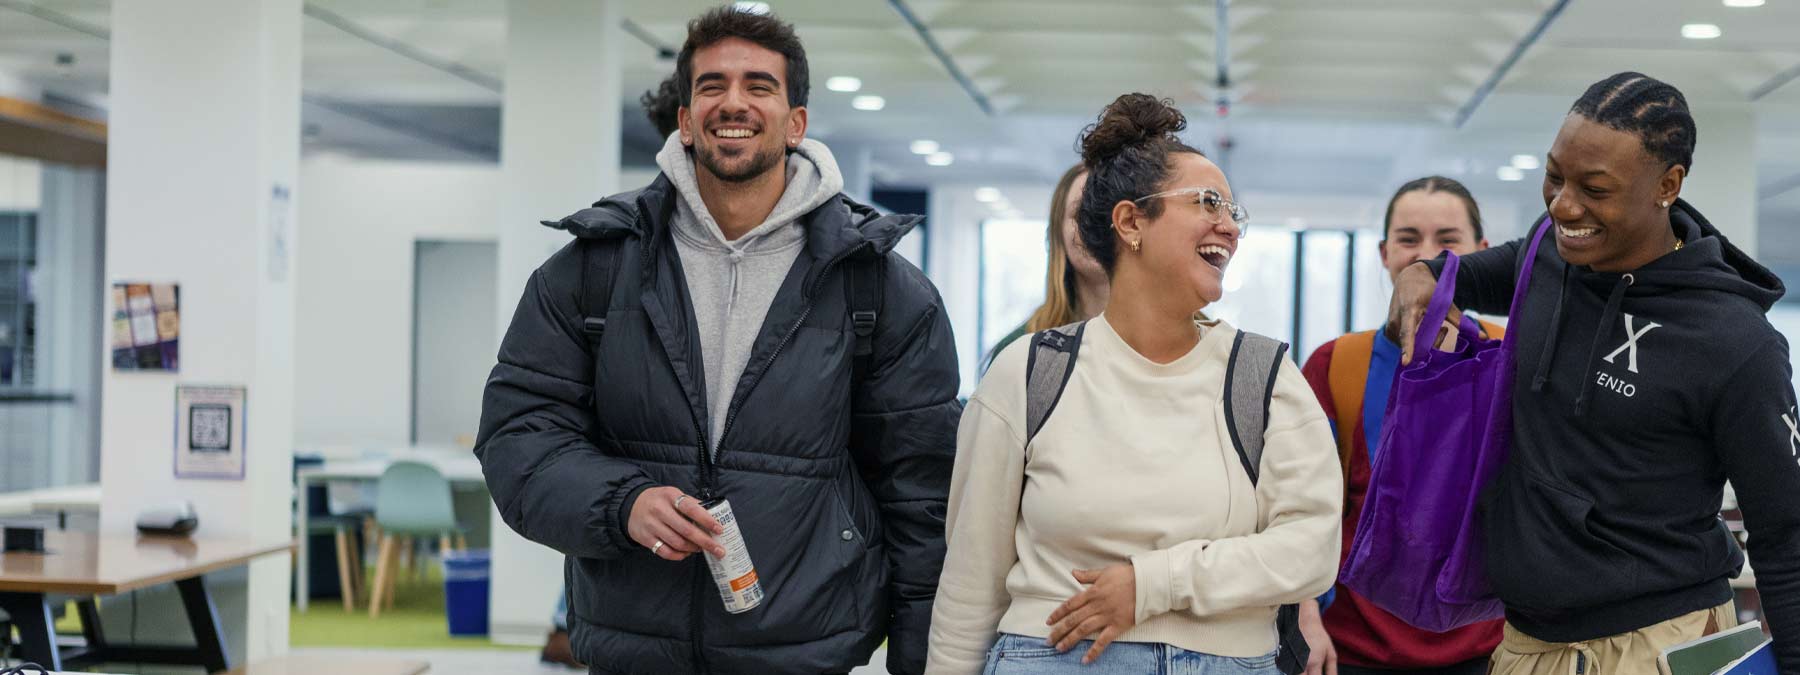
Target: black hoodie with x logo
<point>1636,397</point>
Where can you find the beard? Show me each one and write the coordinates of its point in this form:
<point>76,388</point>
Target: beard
<point>760,161</point>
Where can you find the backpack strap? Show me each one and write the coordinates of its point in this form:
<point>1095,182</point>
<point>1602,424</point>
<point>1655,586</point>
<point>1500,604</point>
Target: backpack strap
<point>1249,382</point>
<point>1249,385</point>
<point>598,268</point>
<point>1047,371</point>
<point>864,288</point>
<point>1348,378</point>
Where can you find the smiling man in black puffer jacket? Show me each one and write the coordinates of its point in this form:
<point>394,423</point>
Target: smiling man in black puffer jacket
<point>741,330</point>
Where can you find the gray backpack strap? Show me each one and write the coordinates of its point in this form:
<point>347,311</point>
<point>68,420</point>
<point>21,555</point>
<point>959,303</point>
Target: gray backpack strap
<point>1249,384</point>
<point>1047,371</point>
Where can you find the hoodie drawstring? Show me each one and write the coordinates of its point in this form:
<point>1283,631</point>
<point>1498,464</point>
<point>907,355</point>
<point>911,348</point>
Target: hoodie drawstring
<point>1600,334</point>
<point>1549,353</point>
<point>735,257</point>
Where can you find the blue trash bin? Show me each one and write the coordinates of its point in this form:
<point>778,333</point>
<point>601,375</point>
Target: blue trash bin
<point>466,578</point>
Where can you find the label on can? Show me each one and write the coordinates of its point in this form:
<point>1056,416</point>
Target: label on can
<point>734,574</point>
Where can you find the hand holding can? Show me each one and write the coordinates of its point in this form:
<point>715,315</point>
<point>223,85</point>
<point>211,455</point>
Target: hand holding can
<point>732,571</point>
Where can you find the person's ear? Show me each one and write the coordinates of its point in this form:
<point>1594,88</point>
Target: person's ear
<point>796,131</point>
<point>1481,245</point>
<point>1127,220</point>
<point>687,126</point>
<point>1668,188</point>
<point>1382,248</point>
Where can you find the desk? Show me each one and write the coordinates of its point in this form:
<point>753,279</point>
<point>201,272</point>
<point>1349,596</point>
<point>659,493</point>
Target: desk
<point>89,564</point>
<point>459,467</point>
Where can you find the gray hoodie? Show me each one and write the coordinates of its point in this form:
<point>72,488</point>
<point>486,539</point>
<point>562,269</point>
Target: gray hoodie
<point>733,283</point>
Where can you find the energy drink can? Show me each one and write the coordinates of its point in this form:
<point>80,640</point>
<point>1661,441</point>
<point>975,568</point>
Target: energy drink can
<point>734,574</point>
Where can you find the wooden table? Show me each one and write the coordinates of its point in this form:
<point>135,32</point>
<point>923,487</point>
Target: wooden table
<point>460,467</point>
<point>89,564</point>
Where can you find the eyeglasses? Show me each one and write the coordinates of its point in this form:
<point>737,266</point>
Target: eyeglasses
<point>1216,204</point>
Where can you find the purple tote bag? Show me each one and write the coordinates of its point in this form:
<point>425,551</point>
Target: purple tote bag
<point>1417,551</point>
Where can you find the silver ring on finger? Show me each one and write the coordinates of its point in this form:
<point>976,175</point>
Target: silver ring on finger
<point>654,550</point>
<point>678,501</point>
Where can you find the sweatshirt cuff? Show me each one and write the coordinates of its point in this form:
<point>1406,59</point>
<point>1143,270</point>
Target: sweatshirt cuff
<point>1154,584</point>
<point>1436,265</point>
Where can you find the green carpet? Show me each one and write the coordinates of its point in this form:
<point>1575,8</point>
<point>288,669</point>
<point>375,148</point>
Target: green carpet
<point>416,621</point>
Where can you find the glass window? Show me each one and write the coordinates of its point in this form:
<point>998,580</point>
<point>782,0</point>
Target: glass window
<point>1373,288</point>
<point>1323,309</point>
<point>51,268</point>
<point>19,185</point>
<point>1013,262</point>
<point>1259,285</point>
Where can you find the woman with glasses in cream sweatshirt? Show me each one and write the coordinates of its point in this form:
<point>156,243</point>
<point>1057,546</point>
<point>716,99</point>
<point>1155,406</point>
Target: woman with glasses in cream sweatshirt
<point>1127,537</point>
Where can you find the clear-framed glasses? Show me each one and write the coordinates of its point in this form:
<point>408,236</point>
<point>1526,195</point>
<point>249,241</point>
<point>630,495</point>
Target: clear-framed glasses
<point>1215,204</point>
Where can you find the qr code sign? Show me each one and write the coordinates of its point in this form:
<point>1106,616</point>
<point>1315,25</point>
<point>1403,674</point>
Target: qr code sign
<point>209,428</point>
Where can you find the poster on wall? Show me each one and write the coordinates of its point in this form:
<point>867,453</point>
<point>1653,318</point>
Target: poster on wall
<point>209,432</point>
<point>146,326</point>
<point>280,212</point>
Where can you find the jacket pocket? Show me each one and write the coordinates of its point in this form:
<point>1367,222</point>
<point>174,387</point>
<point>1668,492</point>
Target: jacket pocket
<point>807,556</point>
<point>1544,545</point>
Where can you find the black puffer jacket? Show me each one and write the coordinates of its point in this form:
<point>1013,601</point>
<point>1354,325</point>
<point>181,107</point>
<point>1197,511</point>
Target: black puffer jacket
<point>839,486</point>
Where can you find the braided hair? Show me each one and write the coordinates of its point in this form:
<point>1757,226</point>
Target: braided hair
<point>1646,107</point>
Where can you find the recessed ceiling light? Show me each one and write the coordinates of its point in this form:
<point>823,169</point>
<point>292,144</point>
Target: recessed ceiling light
<point>940,159</point>
<point>1743,3</point>
<point>751,7</point>
<point>1526,162</point>
<point>1700,31</point>
<point>924,147</point>
<point>987,194</point>
<point>868,103</point>
<point>843,83</point>
<point>1510,173</point>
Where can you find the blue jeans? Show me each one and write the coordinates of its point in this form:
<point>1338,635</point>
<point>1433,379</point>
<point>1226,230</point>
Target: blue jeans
<point>1018,655</point>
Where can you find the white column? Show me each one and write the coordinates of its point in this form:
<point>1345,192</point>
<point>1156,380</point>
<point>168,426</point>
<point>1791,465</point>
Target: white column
<point>1723,183</point>
<point>856,162</point>
<point>559,152</point>
<point>205,106</point>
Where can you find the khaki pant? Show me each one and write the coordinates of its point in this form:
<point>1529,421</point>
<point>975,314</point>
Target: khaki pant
<point>1632,653</point>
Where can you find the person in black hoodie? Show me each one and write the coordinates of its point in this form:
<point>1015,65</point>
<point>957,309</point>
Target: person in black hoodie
<point>1646,377</point>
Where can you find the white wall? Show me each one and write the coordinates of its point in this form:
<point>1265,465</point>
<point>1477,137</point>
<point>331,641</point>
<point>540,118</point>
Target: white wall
<point>353,351</point>
<point>454,344</point>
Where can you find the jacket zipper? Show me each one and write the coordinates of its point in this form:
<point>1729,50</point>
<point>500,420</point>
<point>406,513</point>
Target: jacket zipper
<point>812,292</point>
<point>709,471</point>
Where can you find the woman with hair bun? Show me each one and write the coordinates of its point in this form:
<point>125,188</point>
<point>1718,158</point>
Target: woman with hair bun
<point>1123,532</point>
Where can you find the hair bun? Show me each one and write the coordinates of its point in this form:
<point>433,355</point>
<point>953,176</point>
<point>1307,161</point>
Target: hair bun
<point>1130,120</point>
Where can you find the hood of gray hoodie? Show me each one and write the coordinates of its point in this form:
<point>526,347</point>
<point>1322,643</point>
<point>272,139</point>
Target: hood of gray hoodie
<point>733,283</point>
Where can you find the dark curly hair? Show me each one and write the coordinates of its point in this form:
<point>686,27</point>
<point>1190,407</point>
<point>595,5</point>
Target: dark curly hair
<point>663,106</point>
<point>1646,107</point>
<point>766,30</point>
<point>1127,155</point>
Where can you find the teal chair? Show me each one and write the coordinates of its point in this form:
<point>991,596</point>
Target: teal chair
<point>412,500</point>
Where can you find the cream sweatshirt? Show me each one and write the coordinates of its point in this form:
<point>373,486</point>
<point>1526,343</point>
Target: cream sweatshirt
<point>1135,466</point>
